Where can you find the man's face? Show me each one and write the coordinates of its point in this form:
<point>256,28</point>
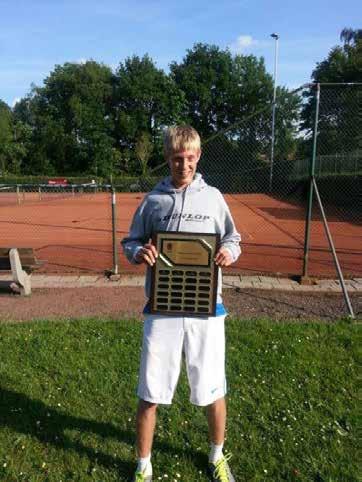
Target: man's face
<point>183,167</point>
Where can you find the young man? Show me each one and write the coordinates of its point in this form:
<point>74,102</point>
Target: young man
<point>182,202</point>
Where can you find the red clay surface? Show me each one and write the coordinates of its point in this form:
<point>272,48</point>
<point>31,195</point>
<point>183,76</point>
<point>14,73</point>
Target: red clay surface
<point>73,234</point>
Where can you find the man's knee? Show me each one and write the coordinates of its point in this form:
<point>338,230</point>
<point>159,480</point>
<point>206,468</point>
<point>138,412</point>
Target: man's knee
<point>217,403</point>
<point>147,407</point>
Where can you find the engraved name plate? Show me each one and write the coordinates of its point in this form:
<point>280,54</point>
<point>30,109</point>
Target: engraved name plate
<point>184,277</point>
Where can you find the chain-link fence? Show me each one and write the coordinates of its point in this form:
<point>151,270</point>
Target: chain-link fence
<point>266,182</point>
<point>267,188</point>
<point>69,226</point>
<point>338,173</point>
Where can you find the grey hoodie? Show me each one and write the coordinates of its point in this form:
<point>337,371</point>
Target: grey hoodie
<point>198,208</point>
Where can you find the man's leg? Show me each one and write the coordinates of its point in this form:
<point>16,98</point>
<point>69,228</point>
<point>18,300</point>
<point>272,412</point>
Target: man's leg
<point>216,416</point>
<point>159,371</point>
<point>146,422</point>
<point>218,463</point>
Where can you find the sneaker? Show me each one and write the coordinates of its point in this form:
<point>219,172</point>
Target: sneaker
<point>142,477</point>
<point>220,472</point>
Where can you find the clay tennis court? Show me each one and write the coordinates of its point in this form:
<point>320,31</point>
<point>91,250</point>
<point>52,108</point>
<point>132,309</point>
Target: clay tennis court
<point>73,234</point>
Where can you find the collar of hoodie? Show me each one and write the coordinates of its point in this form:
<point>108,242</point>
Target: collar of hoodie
<point>166,185</point>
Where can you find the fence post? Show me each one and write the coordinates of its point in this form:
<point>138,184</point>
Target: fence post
<point>18,193</point>
<point>308,220</point>
<point>335,258</point>
<point>114,231</point>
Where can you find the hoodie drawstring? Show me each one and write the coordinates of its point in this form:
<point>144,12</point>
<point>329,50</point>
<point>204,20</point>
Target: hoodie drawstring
<point>182,207</point>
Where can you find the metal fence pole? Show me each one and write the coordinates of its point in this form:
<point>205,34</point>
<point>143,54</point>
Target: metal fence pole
<point>335,258</point>
<point>114,231</point>
<point>308,220</point>
<point>276,37</point>
<point>18,193</point>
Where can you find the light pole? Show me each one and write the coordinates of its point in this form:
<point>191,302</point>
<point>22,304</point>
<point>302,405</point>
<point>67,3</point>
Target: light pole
<point>276,38</point>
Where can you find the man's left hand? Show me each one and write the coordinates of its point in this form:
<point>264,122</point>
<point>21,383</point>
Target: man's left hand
<point>223,257</point>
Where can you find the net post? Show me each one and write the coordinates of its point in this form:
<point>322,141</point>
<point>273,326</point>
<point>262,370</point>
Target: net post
<point>308,220</point>
<point>39,192</point>
<point>18,194</point>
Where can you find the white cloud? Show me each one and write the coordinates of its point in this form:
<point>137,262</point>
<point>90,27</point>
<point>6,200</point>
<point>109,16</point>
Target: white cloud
<point>242,43</point>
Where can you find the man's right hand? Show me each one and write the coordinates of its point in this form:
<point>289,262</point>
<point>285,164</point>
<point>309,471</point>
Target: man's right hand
<point>147,254</point>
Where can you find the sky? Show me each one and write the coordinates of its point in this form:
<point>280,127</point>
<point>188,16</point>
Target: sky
<point>36,35</point>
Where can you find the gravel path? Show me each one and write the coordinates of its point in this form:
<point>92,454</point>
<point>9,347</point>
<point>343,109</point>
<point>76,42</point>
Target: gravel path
<point>119,302</point>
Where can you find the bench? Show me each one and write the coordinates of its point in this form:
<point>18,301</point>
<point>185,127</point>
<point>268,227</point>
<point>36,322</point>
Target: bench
<point>21,262</point>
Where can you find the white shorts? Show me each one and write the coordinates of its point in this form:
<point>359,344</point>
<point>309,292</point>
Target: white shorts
<point>165,338</point>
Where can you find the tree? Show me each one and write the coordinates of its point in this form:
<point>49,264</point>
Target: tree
<point>222,90</point>
<point>339,117</point>
<point>146,100</point>
<point>143,150</point>
<point>71,121</point>
<point>350,36</point>
<point>205,77</point>
<point>230,103</point>
<point>5,135</point>
<point>13,141</point>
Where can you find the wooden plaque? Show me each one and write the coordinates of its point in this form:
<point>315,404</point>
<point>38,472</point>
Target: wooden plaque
<point>184,277</point>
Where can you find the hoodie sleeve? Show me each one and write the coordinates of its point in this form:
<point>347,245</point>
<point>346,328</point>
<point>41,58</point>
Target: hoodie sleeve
<point>139,233</point>
<point>230,238</point>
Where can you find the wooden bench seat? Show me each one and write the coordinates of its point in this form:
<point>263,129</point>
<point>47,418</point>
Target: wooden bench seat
<point>21,262</point>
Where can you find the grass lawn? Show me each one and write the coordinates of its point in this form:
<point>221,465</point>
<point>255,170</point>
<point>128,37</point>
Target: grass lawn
<point>67,404</point>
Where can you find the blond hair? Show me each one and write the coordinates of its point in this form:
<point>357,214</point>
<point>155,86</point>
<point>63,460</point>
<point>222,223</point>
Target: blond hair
<point>180,138</point>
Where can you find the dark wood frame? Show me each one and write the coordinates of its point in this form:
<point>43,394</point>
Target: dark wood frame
<point>215,275</point>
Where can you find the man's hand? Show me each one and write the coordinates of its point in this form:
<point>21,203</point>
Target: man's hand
<point>147,254</point>
<point>223,257</point>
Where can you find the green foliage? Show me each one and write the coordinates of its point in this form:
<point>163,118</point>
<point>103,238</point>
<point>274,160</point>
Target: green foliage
<point>205,76</point>
<point>13,139</point>
<point>339,116</point>
<point>5,135</point>
<point>222,90</point>
<point>86,119</point>
<point>146,100</point>
<point>70,121</point>
<point>143,151</point>
<point>229,102</point>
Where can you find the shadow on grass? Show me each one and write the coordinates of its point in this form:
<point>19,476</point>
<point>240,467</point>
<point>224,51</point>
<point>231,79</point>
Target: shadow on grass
<point>36,419</point>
